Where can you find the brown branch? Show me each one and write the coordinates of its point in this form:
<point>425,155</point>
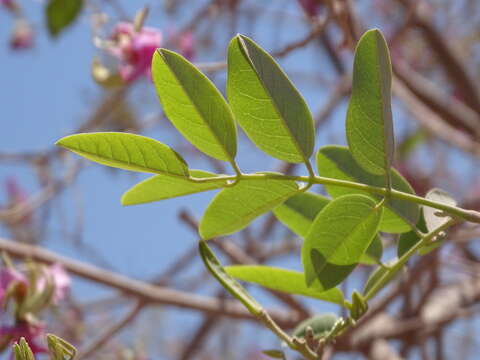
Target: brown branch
<point>148,293</point>
<point>110,332</point>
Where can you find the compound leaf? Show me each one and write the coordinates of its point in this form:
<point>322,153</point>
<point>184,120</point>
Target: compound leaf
<point>337,162</point>
<point>194,105</point>
<point>369,117</point>
<point>126,151</point>
<point>339,236</point>
<point>161,187</point>
<point>266,104</point>
<point>284,280</point>
<point>235,207</point>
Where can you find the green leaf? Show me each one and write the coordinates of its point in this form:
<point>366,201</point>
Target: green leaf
<point>161,187</point>
<point>429,221</point>
<point>369,117</point>
<point>299,211</point>
<point>434,217</point>
<point>194,105</point>
<point>275,354</point>
<point>266,104</point>
<point>228,282</point>
<point>373,254</point>
<point>337,162</point>
<point>284,280</point>
<point>61,13</point>
<point>126,151</point>
<point>320,324</point>
<point>235,207</point>
<point>339,235</point>
<point>409,239</point>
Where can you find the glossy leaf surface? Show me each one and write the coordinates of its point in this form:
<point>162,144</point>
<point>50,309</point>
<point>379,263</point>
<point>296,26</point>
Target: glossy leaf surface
<point>161,187</point>
<point>235,207</point>
<point>337,162</point>
<point>369,117</point>
<point>126,151</point>
<point>339,235</point>
<point>228,282</point>
<point>266,104</point>
<point>194,105</point>
<point>284,280</point>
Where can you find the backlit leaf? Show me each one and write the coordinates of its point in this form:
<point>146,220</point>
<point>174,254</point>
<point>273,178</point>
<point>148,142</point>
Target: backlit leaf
<point>337,162</point>
<point>284,280</point>
<point>373,254</point>
<point>235,207</point>
<point>194,105</point>
<point>61,13</point>
<point>369,117</point>
<point>126,151</point>
<point>266,104</point>
<point>380,276</point>
<point>339,235</point>
<point>161,187</point>
<point>228,282</point>
<point>409,239</point>
<point>299,211</point>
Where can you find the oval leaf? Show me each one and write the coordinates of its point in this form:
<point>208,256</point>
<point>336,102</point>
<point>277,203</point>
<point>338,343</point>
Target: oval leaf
<point>161,187</point>
<point>229,283</point>
<point>339,235</point>
<point>194,105</point>
<point>434,217</point>
<point>235,207</point>
<point>126,151</point>
<point>337,162</point>
<point>299,211</point>
<point>320,324</point>
<point>266,104</point>
<point>61,13</point>
<point>369,117</point>
<point>284,280</point>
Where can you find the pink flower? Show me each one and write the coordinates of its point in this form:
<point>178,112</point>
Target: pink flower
<point>9,276</point>
<point>30,332</point>
<point>60,279</point>
<point>22,36</point>
<point>134,49</point>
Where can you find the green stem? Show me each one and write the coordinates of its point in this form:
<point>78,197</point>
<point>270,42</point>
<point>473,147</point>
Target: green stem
<point>468,215</point>
<point>393,269</point>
